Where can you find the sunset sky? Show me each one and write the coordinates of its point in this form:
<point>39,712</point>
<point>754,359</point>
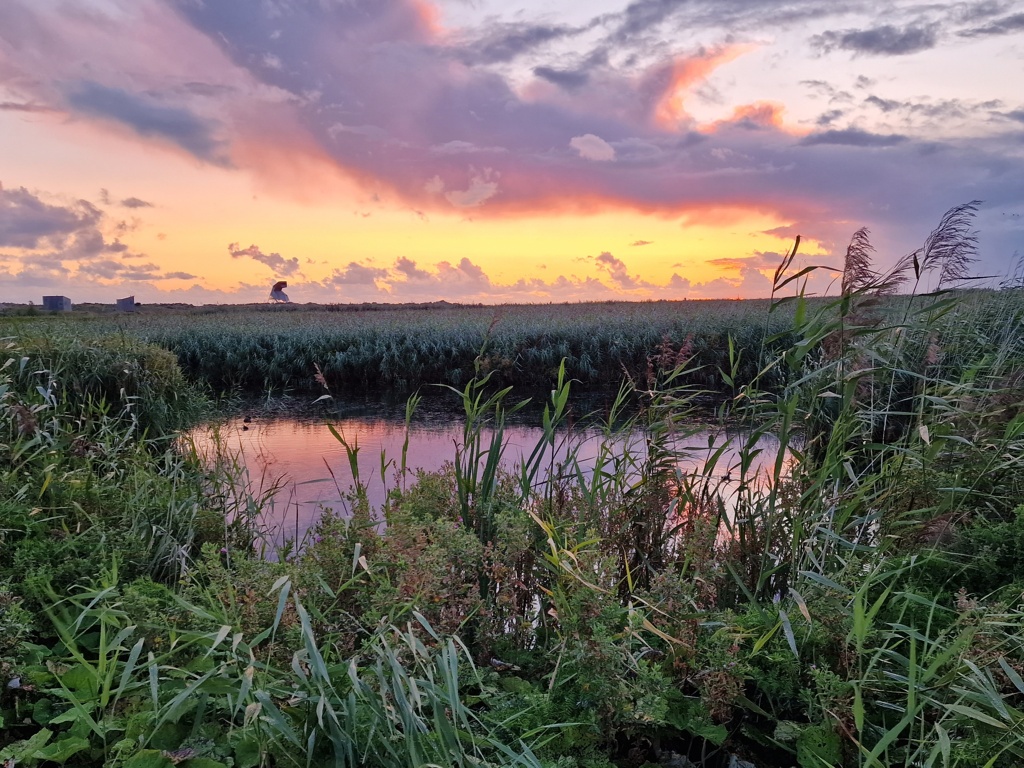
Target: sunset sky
<point>493,151</point>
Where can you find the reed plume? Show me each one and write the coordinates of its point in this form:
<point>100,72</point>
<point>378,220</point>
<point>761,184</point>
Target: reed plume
<point>857,272</point>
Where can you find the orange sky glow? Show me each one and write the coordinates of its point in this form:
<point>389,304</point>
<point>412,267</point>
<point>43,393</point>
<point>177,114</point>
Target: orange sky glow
<point>416,150</point>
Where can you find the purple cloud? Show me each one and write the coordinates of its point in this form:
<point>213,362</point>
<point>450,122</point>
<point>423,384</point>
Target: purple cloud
<point>134,202</point>
<point>148,118</point>
<point>853,137</point>
<point>617,271</point>
<point>407,268</point>
<point>885,40</point>
<point>28,222</point>
<point>356,274</point>
<point>277,263</point>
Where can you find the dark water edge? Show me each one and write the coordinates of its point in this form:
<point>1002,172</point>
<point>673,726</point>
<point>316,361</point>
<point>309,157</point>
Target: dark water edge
<point>438,404</point>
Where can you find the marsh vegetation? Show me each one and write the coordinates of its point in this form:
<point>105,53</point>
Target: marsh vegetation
<point>273,350</point>
<point>856,603</point>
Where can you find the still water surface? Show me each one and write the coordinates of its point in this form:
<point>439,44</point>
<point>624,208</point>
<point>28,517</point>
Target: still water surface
<point>302,468</point>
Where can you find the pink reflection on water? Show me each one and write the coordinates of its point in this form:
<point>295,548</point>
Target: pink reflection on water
<point>304,469</point>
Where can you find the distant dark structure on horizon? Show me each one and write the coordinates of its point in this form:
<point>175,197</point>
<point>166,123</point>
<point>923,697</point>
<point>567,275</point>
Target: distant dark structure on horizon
<point>126,304</point>
<point>277,292</point>
<point>57,303</point>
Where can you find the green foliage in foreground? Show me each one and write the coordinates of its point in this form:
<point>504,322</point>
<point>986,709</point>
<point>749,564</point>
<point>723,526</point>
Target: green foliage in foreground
<point>123,613</point>
<point>854,602</point>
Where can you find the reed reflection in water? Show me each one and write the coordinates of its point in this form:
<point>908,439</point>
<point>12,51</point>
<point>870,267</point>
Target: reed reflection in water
<point>301,467</point>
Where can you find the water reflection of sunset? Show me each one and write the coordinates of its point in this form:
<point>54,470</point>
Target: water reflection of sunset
<point>313,471</point>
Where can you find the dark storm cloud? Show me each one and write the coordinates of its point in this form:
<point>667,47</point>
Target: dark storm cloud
<point>853,137</point>
<point>148,118</point>
<point>275,261</point>
<point>1007,25</point>
<point>28,222</point>
<point>885,40</point>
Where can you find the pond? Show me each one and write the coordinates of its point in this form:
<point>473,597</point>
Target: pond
<point>298,467</point>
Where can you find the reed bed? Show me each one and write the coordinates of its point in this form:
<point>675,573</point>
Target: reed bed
<point>274,349</point>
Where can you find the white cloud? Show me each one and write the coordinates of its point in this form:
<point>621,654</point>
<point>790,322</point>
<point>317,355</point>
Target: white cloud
<point>591,147</point>
<point>481,188</point>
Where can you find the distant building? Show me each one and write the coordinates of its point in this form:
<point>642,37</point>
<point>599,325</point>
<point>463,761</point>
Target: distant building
<point>126,305</point>
<point>57,303</point>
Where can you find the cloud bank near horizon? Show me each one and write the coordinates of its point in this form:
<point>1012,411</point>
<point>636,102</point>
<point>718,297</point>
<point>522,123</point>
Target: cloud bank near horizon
<point>68,245</point>
<point>68,252</point>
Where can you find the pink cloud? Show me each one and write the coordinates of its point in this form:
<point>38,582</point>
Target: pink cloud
<point>617,272</point>
<point>278,264</point>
